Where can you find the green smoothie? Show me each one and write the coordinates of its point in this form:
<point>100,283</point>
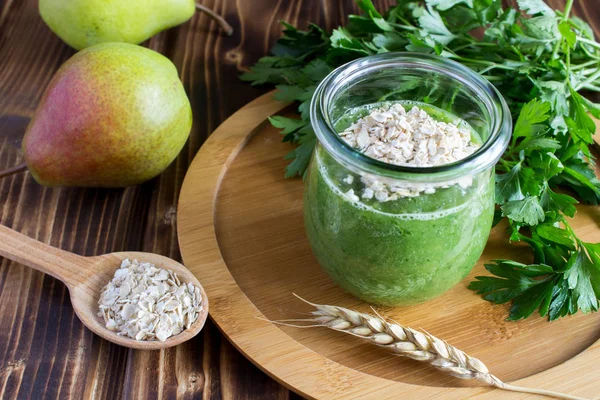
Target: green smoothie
<point>397,252</point>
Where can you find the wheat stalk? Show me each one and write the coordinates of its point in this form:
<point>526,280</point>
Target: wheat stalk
<point>407,342</point>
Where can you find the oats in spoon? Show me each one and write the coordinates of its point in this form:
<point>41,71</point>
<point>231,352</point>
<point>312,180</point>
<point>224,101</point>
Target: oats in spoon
<point>145,302</point>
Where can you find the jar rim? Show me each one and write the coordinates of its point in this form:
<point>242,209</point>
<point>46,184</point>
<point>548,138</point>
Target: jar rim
<point>483,158</point>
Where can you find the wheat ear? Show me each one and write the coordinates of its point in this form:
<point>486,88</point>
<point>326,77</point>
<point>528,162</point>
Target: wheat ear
<point>407,342</point>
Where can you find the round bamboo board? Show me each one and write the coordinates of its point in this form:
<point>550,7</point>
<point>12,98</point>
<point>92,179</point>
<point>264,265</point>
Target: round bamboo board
<point>241,233</point>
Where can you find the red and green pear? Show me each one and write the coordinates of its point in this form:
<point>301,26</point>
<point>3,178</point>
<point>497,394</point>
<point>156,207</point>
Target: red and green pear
<point>113,115</point>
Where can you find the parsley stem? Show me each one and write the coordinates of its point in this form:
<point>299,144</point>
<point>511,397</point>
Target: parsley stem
<point>565,17</point>
<point>518,52</point>
<point>502,168</point>
<point>486,70</point>
<point>591,55</point>
<point>588,71</point>
<point>571,231</point>
<point>567,12</point>
<point>482,62</point>
<point>568,63</point>
<point>404,20</point>
<point>593,88</point>
<point>507,164</point>
<point>584,65</point>
<point>405,27</point>
<point>474,43</point>
<point>588,41</point>
<point>590,80</point>
<point>491,78</point>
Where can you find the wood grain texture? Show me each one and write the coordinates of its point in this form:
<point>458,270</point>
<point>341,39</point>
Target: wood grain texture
<point>45,352</point>
<point>241,232</point>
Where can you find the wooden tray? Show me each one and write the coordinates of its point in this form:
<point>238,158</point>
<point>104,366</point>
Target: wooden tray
<point>241,233</point>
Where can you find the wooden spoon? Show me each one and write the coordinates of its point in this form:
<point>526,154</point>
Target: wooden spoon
<point>86,276</point>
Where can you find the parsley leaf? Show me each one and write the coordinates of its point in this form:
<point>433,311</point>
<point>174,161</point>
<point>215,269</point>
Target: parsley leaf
<point>528,210</point>
<point>533,7</point>
<point>287,125</point>
<point>530,118</point>
<point>433,26</point>
<point>527,286</point>
<point>301,155</point>
<point>444,5</point>
<point>552,201</point>
<point>578,273</point>
<point>508,186</point>
<point>555,235</point>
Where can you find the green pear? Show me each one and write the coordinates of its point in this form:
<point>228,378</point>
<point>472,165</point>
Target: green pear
<point>84,23</point>
<point>113,115</point>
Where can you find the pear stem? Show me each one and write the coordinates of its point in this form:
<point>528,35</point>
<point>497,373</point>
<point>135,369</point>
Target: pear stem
<point>13,170</point>
<point>224,25</point>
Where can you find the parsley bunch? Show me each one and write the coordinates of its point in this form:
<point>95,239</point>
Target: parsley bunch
<point>540,60</point>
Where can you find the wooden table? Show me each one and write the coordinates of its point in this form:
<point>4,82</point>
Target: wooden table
<point>45,352</point>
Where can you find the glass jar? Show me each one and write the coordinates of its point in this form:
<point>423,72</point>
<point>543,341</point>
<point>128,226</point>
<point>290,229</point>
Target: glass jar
<point>415,246</point>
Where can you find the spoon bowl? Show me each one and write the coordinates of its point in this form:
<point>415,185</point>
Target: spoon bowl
<point>85,277</point>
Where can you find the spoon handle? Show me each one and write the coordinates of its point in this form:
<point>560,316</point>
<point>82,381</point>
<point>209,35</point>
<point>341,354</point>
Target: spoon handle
<point>68,267</point>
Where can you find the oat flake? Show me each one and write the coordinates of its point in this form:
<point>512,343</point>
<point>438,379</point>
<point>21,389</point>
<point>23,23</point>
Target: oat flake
<point>145,302</point>
<point>413,138</point>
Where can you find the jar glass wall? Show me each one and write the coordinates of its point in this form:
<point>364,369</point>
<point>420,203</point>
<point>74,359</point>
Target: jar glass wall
<point>427,236</point>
